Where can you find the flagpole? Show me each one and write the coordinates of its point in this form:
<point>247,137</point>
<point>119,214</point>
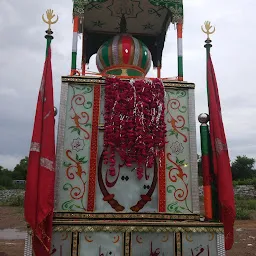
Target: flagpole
<point>212,193</point>
<point>221,175</point>
<point>42,148</point>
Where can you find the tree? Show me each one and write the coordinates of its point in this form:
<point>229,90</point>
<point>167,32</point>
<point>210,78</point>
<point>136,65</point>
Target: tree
<point>5,178</point>
<point>243,168</point>
<point>20,170</point>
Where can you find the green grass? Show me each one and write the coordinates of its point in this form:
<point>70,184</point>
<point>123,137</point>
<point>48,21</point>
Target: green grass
<point>235,182</point>
<point>243,214</point>
<point>245,182</point>
<point>16,200</point>
<point>245,208</point>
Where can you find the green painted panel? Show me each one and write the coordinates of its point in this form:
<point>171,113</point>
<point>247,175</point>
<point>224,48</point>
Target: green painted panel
<point>204,131</point>
<point>105,54</point>
<point>180,66</point>
<point>116,72</point>
<point>144,55</point>
<point>175,6</point>
<point>73,60</point>
<point>133,72</point>
<point>130,72</point>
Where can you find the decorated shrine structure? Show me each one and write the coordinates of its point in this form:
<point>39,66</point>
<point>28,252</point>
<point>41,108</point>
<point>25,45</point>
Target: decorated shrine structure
<point>126,167</point>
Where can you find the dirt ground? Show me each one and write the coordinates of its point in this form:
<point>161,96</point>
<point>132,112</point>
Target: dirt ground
<point>12,217</point>
<point>245,239</point>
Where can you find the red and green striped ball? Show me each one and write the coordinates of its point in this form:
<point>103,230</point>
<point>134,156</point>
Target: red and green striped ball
<point>124,55</point>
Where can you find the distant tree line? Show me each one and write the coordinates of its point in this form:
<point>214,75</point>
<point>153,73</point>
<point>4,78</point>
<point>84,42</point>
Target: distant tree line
<point>243,168</point>
<point>19,173</point>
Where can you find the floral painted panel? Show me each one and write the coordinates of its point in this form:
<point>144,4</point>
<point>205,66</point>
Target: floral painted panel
<point>125,187</point>
<point>61,244</point>
<point>74,170</point>
<point>203,244</point>
<point>178,173</point>
<point>100,243</point>
<point>153,244</point>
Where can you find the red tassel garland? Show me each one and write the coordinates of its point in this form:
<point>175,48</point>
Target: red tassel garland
<point>134,122</point>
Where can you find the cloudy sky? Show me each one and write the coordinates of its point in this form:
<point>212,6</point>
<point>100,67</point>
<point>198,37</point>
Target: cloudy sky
<point>22,49</point>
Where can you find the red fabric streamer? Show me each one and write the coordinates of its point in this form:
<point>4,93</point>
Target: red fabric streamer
<point>220,158</point>
<point>39,197</point>
<point>134,122</point>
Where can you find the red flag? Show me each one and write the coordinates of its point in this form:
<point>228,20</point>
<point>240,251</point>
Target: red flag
<point>221,161</point>
<point>39,197</point>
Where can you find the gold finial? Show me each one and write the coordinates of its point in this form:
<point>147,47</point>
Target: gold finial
<point>50,16</point>
<point>207,27</point>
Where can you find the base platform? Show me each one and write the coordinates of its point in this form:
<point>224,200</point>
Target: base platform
<point>138,234</point>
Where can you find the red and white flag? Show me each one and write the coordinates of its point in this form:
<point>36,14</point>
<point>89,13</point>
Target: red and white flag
<point>220,160</point>
<point>39,196</point>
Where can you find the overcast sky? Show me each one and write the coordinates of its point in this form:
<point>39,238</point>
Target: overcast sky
<point>22,50</point>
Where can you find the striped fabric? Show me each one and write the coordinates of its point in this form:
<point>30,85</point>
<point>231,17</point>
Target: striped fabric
<point>123,51</point>
<point>74,43</point>
<point>180,51</point>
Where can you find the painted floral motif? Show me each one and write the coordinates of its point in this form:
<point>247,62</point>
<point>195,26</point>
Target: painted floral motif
<point>177,148</point>
<point>81,119</point>
<point>177,153</point>
<point>179,191</point>
<point>76,161</point>
<point>78,144</point>
<point>177,122</point>
<point>75,171</point>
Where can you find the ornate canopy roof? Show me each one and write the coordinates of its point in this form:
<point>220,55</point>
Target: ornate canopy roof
<point>134,7</point>
<point>147,20</point>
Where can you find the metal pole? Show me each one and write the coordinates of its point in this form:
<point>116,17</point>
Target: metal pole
<point>208,29</point>
<point>205,149</point>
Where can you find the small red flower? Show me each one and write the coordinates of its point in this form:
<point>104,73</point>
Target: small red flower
<point>134,122</point>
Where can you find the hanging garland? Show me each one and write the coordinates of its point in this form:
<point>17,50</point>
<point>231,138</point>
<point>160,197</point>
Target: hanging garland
<point>134,122</point>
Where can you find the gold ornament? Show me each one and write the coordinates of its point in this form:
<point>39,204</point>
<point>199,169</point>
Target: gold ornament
<point>207,29</point>
<point>50,16</point>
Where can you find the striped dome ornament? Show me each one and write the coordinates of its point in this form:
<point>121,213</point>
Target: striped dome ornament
<point>124,55</point>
